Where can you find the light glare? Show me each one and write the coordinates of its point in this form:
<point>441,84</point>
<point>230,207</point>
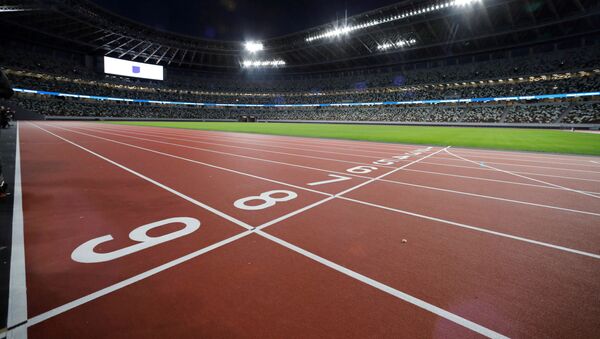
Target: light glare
<point>253,46</point>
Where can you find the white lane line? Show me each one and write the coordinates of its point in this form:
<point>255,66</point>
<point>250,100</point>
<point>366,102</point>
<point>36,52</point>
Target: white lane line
<point>383,180</point>
<point>223,136</point>
<point>522,176</point>
<point>583,164</point>
<point>492,180</point>
<point>478,229</point>
<point>415,214</point>
<point>152,181</point>
<point>17,293</point>
<point>483,157</point>
<point>387,289</point>
<point>595,162</point>
<point>291,214</point>
<point>492,197</point>
<point>78,302</point>
<point>390,172</point>
<point>200,139</point>
<point>19,332</point>
<point>354,144</point>
<point>479,168</point>
<point>328,159</point>
<point>382,287</point>
<point>274,144</point>
<point>61,309</point>
<point>520,165</point>
<point>526,155</point>
<point>232,146</point>
<point>196,162</point>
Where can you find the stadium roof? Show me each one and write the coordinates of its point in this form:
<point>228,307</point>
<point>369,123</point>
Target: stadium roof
<point>408,31</point>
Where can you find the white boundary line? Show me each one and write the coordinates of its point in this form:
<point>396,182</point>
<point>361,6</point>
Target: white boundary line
<point>152,181</point>
<point>226,136</point>
<point>479,229</point>
<point>102,130</point>
<point>566,249</point>
<point>196,138</point>
<point>358,176</point>
<point>321,158</point>
<point>479,168</point>
<point>85,299</point>
<point>360,144</point>
<point>17,293</point>
<point>398,294</point>
<point>492,180</point>
<point>521,165</point>
<point>387,289</point>
<point>286,216</point>
<point>190,160</point>
<point>202,139</point>
<point>522,176</point>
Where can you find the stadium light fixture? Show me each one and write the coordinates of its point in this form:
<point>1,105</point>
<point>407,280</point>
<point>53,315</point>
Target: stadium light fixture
<point>337,31</point>
<point>262,63</point>
<point>15,8</point>
<point>253,46</point>
<point>397,44</point>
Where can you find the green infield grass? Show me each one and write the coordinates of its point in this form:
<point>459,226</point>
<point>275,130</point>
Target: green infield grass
<point>538,140</point>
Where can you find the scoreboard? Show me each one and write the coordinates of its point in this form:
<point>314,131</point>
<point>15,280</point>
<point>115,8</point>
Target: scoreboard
<point>133,69</point>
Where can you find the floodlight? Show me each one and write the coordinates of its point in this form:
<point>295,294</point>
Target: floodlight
<point>253,46</point>
<point>463,2</point>
<point>262,63</point>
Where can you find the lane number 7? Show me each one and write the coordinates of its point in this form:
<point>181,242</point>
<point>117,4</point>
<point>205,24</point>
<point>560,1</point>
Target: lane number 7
<point>338,178</point>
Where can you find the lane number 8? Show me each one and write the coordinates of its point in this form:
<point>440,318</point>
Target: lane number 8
<point>267,198</point>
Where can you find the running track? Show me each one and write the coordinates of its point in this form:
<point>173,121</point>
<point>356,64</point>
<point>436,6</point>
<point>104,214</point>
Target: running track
<point>123,231</point>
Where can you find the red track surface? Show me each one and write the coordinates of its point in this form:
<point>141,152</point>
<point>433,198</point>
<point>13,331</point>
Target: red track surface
<point>464,243</point>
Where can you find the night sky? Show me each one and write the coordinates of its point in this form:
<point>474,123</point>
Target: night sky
<point>237,19</point>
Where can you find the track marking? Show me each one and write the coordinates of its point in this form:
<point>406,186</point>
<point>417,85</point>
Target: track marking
<point>373,283</point>
<point>86,252</point>
<point>338,178</point>
<point>17,293</point>
<point>520,165</point>
<point>403,296</point>
<point>490,197</point>
<point>522,176</point>
<point>387,289</point>
<point>220,135</point>
<point>492,180</point>
<point>152,181</point>
<point>595,162</point>
<point>534,161</point>
<point>102,130</point>
<point>306,208</point>
<point>78,302</point>
<point>231,146</point>
<point>281,218</point>
<point>193,161</point>
<point>359,145</point>
<point>382,180</point>
<point>479,168</point>
<point>200,139</point>
<point>479,229</point>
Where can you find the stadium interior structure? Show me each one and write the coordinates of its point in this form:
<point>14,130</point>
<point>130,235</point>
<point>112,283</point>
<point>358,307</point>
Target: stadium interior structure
<point>427,169</point>
<point>488,62</point>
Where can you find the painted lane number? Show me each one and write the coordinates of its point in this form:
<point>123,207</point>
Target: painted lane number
<point>361,169</point>
<point>86,253</point>
<point>268,200</point>
<point>338,178</point>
